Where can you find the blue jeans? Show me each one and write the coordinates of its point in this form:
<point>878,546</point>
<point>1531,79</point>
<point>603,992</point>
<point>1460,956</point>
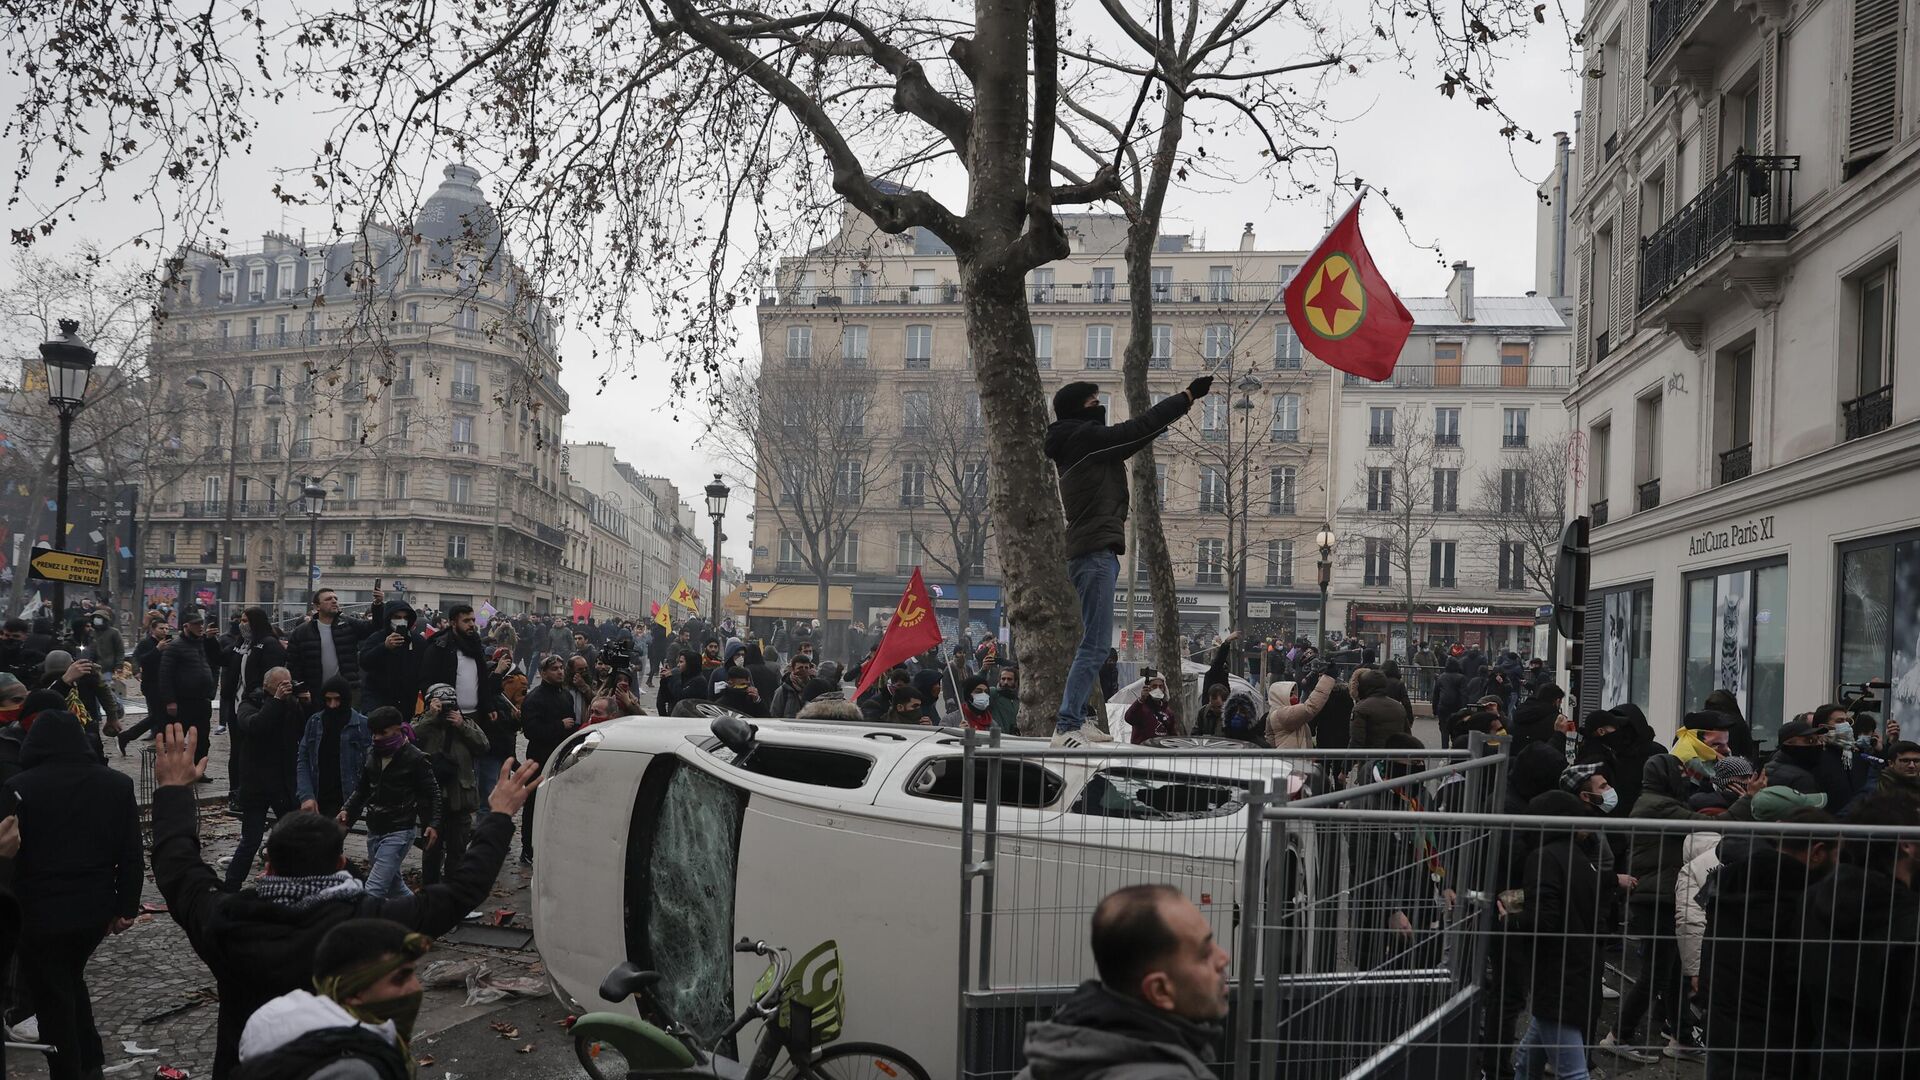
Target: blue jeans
<point>387,851</point>
<point>1550,1040</point>
<point>486,772</point>
<point>1093,578</point>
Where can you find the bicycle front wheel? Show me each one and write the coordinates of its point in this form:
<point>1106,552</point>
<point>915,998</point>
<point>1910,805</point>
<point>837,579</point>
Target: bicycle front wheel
<point>863,1061</point>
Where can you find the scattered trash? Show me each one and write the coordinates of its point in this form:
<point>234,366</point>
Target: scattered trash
<point>130,1047</point>
<point>125,1066</point>
<point>504,1029</point>
<point>567,1021</point>
<point>502,917</point>
<point>171,1072</point>
<point>451,972</point>
<point>205,995</point>
<point>153,907</point>
<point>424,1060</point>
<point>525,1049</point>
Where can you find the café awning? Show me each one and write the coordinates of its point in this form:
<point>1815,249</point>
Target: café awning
<point>791,600</point>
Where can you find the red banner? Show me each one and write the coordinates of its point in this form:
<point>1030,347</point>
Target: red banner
<point>1343,310</point>
<point>912,631</point>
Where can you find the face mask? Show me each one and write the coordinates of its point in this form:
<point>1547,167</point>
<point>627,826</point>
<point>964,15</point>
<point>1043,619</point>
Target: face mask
<point>1609,801</point>
<point>1841,734</point>
<point>403,1011</point>
<point>8,716</point>
<point>1157,694</point>
<point>390,742</point>
<point>399,625</point>
<point>1097,414</point>
<point>980,701</point>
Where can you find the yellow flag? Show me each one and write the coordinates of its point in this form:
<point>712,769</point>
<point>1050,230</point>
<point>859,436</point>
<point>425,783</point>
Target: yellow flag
<point>662,615</point>
<point>686,597</point>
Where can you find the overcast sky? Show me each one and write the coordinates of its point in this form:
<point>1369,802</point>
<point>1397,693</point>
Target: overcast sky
<point>1464,188</point>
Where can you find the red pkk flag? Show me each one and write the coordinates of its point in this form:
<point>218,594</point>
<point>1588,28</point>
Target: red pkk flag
<point>1342,310</point>
<point>912,631</point>
<point>706,571</point>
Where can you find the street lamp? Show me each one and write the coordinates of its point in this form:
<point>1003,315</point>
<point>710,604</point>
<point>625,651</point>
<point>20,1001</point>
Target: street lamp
<point>198,381</point>
<point>316,497</point>
<point>717,493</point>
<point>1324,540</point>
<point>69,366</point>
<point>1248,386</point>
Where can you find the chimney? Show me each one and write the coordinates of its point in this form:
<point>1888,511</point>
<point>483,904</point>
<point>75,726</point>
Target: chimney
<point>1246,238</point>
<point>1460,291</point>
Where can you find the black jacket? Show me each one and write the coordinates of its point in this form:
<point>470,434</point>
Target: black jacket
<point>687,683</point>
<point>1449,694</point>
<point>398,795</point>
<point>392,676</point>
<point>1752,961</point>
<point>186,671</point>
<point>1561,919</point>
<point>322,1048</point>
<point>267,750</point>
<point>260,656</point>
<point>1091,458</point>
<point>303,650</point>
<point>258,950</point>
<point>547,717</point>
<point>765,678</point>
<point>79,863</point>
<point>787,700</point>
<point>146,657</point>
<point>441,664</point>
<point>1860,996</point>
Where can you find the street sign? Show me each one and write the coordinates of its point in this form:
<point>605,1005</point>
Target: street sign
<point>48,564</point>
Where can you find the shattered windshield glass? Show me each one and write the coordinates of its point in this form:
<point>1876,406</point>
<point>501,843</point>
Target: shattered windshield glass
<point>1158,796</point>
<point>681,877</point>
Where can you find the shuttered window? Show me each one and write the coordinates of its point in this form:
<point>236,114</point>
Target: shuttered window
<point>1873,78</point>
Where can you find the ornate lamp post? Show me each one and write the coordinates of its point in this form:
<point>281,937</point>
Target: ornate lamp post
<point>69,365</point>
<point>717,493</point>
<point>1324,539</point>
<point>316,497</point>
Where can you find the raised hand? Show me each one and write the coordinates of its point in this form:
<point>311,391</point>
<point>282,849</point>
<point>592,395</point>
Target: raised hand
<point>173,764</point>
<point>511,791</point>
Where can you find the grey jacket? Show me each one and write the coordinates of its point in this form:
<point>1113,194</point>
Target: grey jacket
<point>1092,460</point>
<point>1099,1035</point>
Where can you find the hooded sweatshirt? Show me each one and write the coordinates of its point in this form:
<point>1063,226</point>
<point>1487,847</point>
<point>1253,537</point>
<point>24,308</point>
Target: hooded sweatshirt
<point>1091,457</point>
<point>296,1013</point>
<point>79,864</point>
<point>1099,1035</point>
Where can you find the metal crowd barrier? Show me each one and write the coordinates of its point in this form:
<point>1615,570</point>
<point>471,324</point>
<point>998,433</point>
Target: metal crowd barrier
<point>1389,917</point>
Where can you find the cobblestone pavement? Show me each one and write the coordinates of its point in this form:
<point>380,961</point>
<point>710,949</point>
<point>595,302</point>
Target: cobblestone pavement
<point>151,993</point>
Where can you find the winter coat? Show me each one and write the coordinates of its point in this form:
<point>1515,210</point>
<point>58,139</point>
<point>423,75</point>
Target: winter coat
<point>547,717</point>
<point>1098,1034</point>
<point>1632,754</point>
<point>740,701</point>
<point>1148,720</point>
<point>1860,995</point>
<point>259,950</point>
<point>303,648</point>
<point>355,742</point>
<point>266,749</point>
<point>1091,460</point>
<point>1656,857</point>
<point>1449,693</point>
<point>1005,708</point>
<point>259,658</point>
<point>186,671</point>
<point>1375,718</point>
<point>396,792</point>
<point>1288,724</point>
<point>303,1036</point>
<point>440,663</point>
<point>1815,769</point>
<point>392,676</point>
<point>79,865</point>
<point>457,745</point>
<point>765,678</point>
<point>787,700</point>
<point>1238,719</point>
<point>688,683</point>
<point>146,658</point>
<point>1561,922</point>
<point>1535,720</point>
<point>1752,962</point>
<point>656,644</point>
<point>838,710</point>
<point>1332,726</point>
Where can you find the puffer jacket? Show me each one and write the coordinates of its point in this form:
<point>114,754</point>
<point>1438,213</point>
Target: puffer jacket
<point>396,793</point>
<point>303,648</point>
<point>1098,1034</point>
<point>1656,858</point>
<point>1091,459</point>
<point>1377,717</point>
<point>1289,725</point>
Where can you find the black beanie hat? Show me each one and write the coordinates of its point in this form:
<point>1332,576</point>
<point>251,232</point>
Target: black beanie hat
<point>1070,399</point>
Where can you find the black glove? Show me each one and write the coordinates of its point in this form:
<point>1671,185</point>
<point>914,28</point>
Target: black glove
<point>1198,388</point>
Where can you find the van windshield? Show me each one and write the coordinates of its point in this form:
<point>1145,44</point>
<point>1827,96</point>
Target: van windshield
<point>1158,796</point>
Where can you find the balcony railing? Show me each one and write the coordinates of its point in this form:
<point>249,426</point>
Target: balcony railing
<point>1286,434</point>
<point>403,388</point>
<point>1869,413</point>
<point>466,391</point>
<point>1282,507</point>
<point>1602,345</point>
<point>1379,438</point>
<point>1447,440</point>
<point>1598,512</point>
<point>302,448</point>
<point>1514,441</point>
<point>1665,20</point>
<point>303,393</point>
<point>1082,293</point>
<point>1610,147</point>
<point>919,363</point>
<point>1752,200</point>
<point>209,558</point>
<point>1477,376</point>
<point>1649,494</point>
<point>1736,464</point>
<point>1213,434</point>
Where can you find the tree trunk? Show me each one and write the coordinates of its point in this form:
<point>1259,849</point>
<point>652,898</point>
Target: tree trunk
<point>821,607</point>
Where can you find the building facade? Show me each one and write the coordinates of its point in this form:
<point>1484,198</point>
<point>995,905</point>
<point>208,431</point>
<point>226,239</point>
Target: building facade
<point>409,374</point>
<point>876,322</point>
<point>1444,474</point>
<point>643,546</point>
<point>1745,364</point>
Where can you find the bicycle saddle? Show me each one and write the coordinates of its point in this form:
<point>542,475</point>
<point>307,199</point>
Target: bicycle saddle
<point>626,980</point>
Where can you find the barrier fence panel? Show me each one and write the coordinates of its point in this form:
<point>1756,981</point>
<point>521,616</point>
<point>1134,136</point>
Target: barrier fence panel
<point>1447,915</point>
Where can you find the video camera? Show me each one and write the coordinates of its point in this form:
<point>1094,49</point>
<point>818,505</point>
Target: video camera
<point>617,655</point>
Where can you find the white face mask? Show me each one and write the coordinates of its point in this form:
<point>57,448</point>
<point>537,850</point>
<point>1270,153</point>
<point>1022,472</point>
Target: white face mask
<point>1157,694</point>
<point>980,700</point>
<point>1609,801</point>
<point>399,625</point>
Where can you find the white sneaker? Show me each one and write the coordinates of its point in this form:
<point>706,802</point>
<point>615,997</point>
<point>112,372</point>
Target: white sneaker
<point>27,1030</point>
<point>1613,1046</point>
<point>1608,993</point>
<point>1081,737</point>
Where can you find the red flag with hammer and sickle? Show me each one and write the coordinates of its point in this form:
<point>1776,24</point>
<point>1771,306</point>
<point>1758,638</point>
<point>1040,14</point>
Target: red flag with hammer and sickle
<point>912,631</point>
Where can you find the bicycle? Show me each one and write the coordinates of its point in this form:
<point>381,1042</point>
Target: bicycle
<point>798,1013</point>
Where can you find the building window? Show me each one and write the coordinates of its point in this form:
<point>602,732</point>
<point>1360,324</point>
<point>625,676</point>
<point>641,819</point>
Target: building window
<point>846,560</point>
<point>462,429</point>
<point>1162,347</point>
<point>1160,481</point>
<point>1733,415</point>
<point>1380,490</point>
<point>210,490</point>
<point>1513,564</point>
<point>1161,279</point>
<point>853,346</point>
<point>1286,348</point>
<point>850,482</point>
<point>467,318</point>
<point>1446,491</point>
<point>1379,562</point>
<point>1213,490</point>
<point>1099,347</point>
<point>1380,426</point>
<point>975,419</point>
<point>906,553</point>
<point>459,489</point>
<point>456,545</point>
<point>1043,345</point>
<point>1516,354</point>
<point>919,347</point>
<point>1513,491</point>
<point>1871,408</point>
<point>1736,640</point>
<point>227,278</point>
<point>397,545</point>
<point>1219,283</point>
<point>916,411</point>
<point>1513,428</point>
<point>1880,620</point>
<point>860,287</point>
<point>346,543</point>
<point>853,412</point>
<point>1286,418</point>
<point>1101,287</point>
<point>799,346</point>
<point>1282,489</point>
<point>1626,643</point>
<point>1213,417</point>
<point>1041,282</point>
<point>1216,343</point>
<point>1646,452</point>
<point>1209,562</point>
<point>256,282</point>
<point>1446,426</point>
<point>913,483</point>
<point>1440,555</point>
<point>350,487</point>
<point>396,485</point>
<point>789,551</point>
<point>973,483</point>
<point>1279,563</point>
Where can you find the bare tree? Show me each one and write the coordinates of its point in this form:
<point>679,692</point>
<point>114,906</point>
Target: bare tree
<point>1393,494</point>
<point>1518,511</point>
<point>946,438</point>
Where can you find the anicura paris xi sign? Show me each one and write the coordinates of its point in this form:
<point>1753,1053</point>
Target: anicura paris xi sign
<point>1731,535</point>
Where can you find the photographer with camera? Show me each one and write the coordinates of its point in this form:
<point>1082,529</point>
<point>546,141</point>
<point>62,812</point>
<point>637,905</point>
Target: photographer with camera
<point>78,681</point>
<point>452,744</point>
<point>390,660</point>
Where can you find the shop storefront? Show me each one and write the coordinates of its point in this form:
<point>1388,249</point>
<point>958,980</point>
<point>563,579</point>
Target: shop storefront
<point>1204,614</point>
<point>1488,627</point>
<point>1879,635</point>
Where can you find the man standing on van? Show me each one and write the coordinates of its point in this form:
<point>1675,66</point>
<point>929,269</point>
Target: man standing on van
<point>1092,459</point>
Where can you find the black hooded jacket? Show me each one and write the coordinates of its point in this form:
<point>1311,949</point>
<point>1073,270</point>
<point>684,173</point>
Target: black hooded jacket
<point>1091,457</point>
<point>79,865</point>
<point>765,678</point>
<point>1632,745</point>
<point>1860,996</point>
<point>392,676</point>
<point>1752,959</point>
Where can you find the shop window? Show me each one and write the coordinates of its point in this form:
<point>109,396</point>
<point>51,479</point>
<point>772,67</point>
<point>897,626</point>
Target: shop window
<point>1880,622</point>
<point>1736,638</point>
<point>1626,644</point>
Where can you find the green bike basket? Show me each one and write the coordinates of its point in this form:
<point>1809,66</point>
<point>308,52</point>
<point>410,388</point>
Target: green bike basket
<point>815,985</point>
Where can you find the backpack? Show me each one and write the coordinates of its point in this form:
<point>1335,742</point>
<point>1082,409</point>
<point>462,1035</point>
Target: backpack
<point>316,1050</point>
